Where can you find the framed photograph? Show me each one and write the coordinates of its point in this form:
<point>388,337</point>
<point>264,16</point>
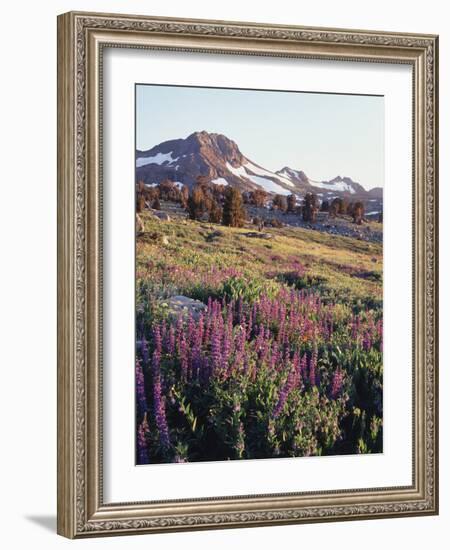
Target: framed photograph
<point>247,276</point>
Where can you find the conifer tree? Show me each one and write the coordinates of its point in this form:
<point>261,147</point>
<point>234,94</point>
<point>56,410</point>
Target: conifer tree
<point>196,203</point>
<point>310,208</point>
<point>233,209</point>
<point>215,213</point>
<point>280,203</point>
<point>358,212</point>
<point>291,203</point>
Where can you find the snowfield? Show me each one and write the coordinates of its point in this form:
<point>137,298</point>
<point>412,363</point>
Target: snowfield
<point>240,172</point>
<point>260,177</point>
<point>268,185</point>
<point>337,186</point>
<point>160,158</point>
<point>265,173</point>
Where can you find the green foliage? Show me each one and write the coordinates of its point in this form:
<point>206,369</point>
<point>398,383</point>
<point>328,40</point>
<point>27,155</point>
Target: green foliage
<point>249,290</point>
<point>238,287</point>
<point>233,420</point>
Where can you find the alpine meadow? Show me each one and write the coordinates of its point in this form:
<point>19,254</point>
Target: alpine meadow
<point>259,274</point>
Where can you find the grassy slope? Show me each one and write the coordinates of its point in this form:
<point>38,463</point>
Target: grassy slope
<point>348,268</point>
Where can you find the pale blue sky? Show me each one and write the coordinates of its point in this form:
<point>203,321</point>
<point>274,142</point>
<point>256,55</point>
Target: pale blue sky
<point>324,135</point>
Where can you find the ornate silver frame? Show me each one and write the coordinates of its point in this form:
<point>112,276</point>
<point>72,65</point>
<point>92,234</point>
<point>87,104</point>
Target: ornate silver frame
<point>81,37</point>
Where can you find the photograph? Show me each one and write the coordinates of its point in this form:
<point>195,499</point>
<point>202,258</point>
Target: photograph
<point>258,273</point>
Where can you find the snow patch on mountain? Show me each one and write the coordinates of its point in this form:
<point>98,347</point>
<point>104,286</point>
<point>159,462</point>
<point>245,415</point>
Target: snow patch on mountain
<point>240,171</point>
<point>220,181</point>
<point>159,158</point>
<point>265,173</point>
<point>258,175</point>
<point>268,185</point>
<point>341,186</point>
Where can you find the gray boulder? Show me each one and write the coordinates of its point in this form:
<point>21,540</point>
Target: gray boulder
<point>184,305</point>
<point>254,235</point>
<point>163,216</point>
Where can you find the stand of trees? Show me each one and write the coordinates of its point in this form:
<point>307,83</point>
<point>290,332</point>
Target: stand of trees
<point>338,207</point>
<point>145,196</point>
<point>258,198</point>
<point>354,209</point>
<point>223,204</point>
<point>219,203</point>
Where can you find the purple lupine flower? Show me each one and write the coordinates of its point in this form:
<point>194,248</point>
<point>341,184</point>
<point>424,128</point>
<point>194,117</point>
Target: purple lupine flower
<point>274,356</point>
<point>259,339</point>
<point>336,384</point>
<point>239,348</point>
<point>207,328</point>
<point>312,367</point>
<point>304,367</point>
<point>367,341</point>
<point>215,350</point>
<point>196,361</point>
<point>284,394</point>
<point>144,351</point>
<point>190,327</point>
<point>330,324</point>
<point>226,350</point>
<point>379,328</point>
<point>184,361</point>
<point>159,409</point>
<point>250,325</point>
<point>297,370</point>
<point>179,330</point>
<point>200,329</point>
<point>171,341</point>
<point>141,399</point>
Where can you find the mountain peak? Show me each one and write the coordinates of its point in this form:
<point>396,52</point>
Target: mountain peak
<point>204,136</point>
<point>218,158</point>
<point>298,175</point>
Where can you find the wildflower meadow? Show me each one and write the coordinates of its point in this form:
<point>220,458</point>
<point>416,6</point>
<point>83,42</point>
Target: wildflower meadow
<point>280,355</point>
